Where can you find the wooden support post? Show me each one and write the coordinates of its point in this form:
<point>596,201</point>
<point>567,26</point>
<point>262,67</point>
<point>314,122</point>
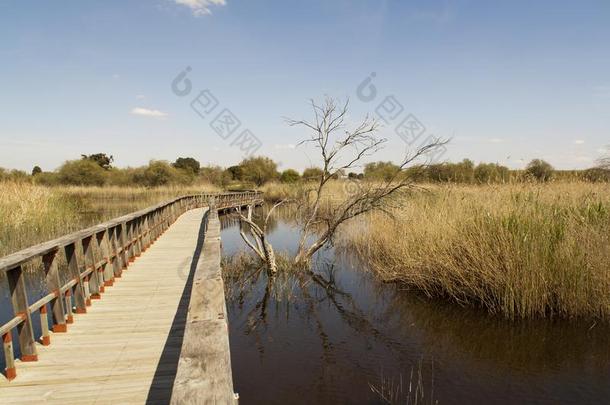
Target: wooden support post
<point>27,343</point>
<point>137,238</point>
<point>86,280</point>
<point>122,241</point>
<point>151,229</point>
<point>69,315</point>
<point>145,234</point>
<point>80,299</point>
<point>92,283</point>
<point>9,356</point>
<point>116,260</point>
<point>114,267</point>
<point>102,273</point>
<point>44,326</point>
<point>53,284</point>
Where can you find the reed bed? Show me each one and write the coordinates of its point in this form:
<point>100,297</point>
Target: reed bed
<point>523,251</point>
<point>31,214</point>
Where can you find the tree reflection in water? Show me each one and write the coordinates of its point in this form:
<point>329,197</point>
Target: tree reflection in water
<point>335,334</point>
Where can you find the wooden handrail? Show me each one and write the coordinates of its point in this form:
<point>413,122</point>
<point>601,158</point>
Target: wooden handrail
<point>94,257</point>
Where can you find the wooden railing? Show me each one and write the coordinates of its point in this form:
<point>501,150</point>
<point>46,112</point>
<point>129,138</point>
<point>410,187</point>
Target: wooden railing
<point>78,267</point>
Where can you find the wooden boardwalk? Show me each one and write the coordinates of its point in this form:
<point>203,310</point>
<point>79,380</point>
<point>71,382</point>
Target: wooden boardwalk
<point>127,347</point>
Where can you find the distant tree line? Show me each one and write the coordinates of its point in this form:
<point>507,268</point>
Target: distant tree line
<point>98,170</point>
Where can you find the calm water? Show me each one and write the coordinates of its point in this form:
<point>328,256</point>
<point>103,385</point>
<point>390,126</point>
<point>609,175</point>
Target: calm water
<point>306,344</point>
<point>321,346</point>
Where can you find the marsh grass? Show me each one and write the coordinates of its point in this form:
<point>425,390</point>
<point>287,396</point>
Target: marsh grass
<point>395,391</point>
<point>522,251</point>
<point>31,214</point>
<point>243,271</point>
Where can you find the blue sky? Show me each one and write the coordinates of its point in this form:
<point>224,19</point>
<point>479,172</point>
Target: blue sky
<point>508,81</point>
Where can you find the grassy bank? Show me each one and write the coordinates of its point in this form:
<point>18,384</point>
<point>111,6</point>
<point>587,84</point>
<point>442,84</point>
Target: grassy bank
<point>31,214</point>
<point>518,250</point>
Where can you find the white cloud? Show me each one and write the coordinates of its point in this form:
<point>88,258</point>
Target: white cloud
<point>148,113</point>
<point>579,141</point>
<point>496,140</point>
<point>602,91</point>
<point>287,146</point>
<point>140,96</point>
<point>200,7</point>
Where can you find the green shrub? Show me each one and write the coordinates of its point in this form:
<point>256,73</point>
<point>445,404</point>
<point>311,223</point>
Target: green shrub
<point>289,176</point>
<point>83,172</point>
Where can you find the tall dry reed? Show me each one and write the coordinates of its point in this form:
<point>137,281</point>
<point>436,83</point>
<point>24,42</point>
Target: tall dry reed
<point>518,250</point>
<point>31,214</point>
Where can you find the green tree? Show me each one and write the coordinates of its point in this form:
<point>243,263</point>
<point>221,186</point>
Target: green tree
<point>104,161</point>
<point>463,172</point>
<point>188,164</point>
<point>380,170</point>
<point>290,176</point>
<point>161,173</point>
<point>215,175</point>
<point>258,170</point>
<point>539,169</point>
<point>84,172</point>
<point>235,172</point>
<point>312,174</point>
<point>486,173</point>
<point>36,170</point>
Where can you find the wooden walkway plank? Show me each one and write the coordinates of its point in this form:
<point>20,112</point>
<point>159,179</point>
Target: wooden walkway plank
<point>204,372</point>
<point>125,349</point>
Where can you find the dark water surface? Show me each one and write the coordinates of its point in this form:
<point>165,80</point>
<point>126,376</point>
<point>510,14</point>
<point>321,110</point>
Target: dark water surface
<point>329,347</point>
<point>304,344</point>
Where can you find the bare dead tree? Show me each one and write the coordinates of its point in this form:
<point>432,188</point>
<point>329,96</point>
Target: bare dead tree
<point>341,149</point>
<point>259,244</point>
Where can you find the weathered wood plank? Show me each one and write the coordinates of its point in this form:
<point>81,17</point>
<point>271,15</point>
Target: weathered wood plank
<point>204,371</point>
<point>140,340</point>
<point>132,330</point>
<point>19,298</point>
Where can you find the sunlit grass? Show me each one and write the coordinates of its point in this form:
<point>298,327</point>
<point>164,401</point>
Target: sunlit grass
<point>518,250</point>
<point>31,214</point>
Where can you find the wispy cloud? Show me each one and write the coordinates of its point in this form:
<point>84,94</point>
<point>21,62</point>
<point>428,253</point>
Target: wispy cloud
<point>602,91</point>
<point>496,140</point>
<point>439,16</point>
<point>579,141</point>
<point>148,113</point>
<point>140,96</point>
<point>200,7</point>
<point>287,146</point>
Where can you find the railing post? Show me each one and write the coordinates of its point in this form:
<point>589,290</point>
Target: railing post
<point>16,283</point>
<point>127,242</point>
<point>68,300</point>
<point>112,266</point>
<point>90,280</point>
<point>138,237</point>
<point>44,326</point>
<point>97,284</point>
<point>153,227</point>
<point>74,271</point>
<point>120,238</point>
<point>53,285</point>
<point>145,233</point>
<point>115,247</point>
<point>9,356</point>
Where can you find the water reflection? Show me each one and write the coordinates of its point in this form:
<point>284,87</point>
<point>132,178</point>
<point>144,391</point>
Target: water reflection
<point>326,337</point>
